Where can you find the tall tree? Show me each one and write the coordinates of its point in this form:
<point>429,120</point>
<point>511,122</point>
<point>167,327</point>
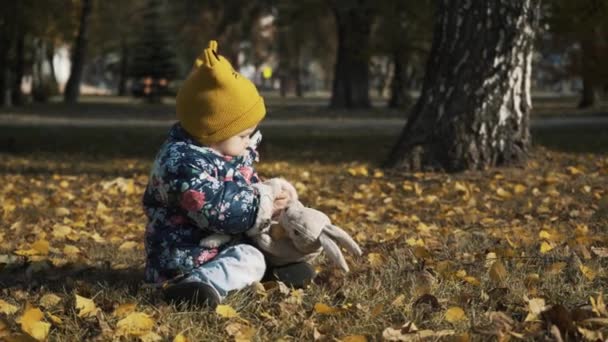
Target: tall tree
<point>154,57</point>
<point>583,24</point>
<point>351,75</point>
<point>72,88</point>
<point>403,33</point>
<point>473,112</point>
<point>299,24</point>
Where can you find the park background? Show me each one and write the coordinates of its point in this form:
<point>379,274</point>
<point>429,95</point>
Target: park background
<point>462,144</point>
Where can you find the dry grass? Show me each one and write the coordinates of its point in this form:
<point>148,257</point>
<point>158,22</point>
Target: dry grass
<point>425,228</point>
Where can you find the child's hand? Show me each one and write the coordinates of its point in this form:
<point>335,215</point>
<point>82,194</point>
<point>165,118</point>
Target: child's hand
<point>280,203</point>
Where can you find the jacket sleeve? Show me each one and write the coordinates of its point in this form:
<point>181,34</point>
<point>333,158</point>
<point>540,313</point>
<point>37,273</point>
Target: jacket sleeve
<point>219,206</point>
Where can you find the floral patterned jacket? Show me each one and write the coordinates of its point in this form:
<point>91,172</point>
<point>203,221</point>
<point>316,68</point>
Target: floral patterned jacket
<point>193,192</point>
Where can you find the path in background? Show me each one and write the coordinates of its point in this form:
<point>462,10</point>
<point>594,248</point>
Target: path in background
<point>303,123</point>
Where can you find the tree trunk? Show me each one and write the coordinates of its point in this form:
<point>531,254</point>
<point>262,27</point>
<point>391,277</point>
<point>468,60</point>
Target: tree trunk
<point>399,97</point>
<point>4,68</point>
<point>72,88</point>
<point>7,28</point>
<point>124,60</point>
<point>589,68</point>
<point>351,72</point>
<point>17,93</point>
<point>474,109</point>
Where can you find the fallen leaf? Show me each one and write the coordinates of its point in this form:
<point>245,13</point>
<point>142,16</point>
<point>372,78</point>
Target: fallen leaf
<point>498,272</point>
<point>124,309</point>
<point>241,332</point>
<point>455,314</point>
<point>49,300</point>
<point>587,272</point>
<point>31,323</point>
<point>135,324</point>
<point>62,211</point>
<point>601,252</point>
<point>354,338</point>
<point>150,337</point>
<point>325,309</point>
<point>61,231</point>
<point>180,338</point>
<point>545,247</point>
<point>71,250</point>
<point>85,306</point>
<point>127,246</point>
<point>226,311</point>
<point>7,308</point>
<point>598,305</point>
<point>535,307</point>
<point>375,259</point>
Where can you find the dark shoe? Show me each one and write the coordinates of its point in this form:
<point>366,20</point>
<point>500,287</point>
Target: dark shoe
<point>192,292</point>
<point>296,275</point>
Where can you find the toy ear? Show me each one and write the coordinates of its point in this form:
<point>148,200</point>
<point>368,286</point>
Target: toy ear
<point>333,251</point>
<point>343,238</point>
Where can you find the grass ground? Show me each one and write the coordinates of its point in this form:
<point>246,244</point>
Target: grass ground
<point>467,256</point>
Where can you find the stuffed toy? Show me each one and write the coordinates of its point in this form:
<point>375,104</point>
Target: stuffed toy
<point>299,234</point>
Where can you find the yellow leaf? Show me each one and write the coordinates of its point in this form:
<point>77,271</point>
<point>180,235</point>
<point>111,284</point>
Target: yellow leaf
<point>503,193</point>
<point>545,247</point>
<point>7,308</point>
<point>455,314</point>
<point>543,234</point>
<point>61,231</point>
<point>472,280</point>
<point>226,311</point>
<point>498,272</point>
<point>587,272</point>
<point>375,259</point>
<point>70,250</point>
<point>378,174</point>
<point>124,309</point>
<point>85,306</point>
<point>519,189</point>
<point>556,268</point>
<point>62,211</point>
<point>49,300</point>
<point>574,171</point>
<point>31,323</point>
<point>42,246</point>
<point>415,242</point>
<point>354,338</point>
<point>535,307</point>
<point>399,300</point>
<point>180,338</point>
<point>241,332</point>
<point>598,305</point>
<point>326,309</point>
<point>55,319</point>
<point>150,337</point>
<point>135,324</point>
<point>127,246</point>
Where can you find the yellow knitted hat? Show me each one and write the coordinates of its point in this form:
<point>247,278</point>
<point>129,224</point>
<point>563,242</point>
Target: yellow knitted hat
<point>216,102</point>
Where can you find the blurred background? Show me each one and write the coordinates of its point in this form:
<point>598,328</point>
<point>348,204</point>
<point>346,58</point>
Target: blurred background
<point>87,62</point>
<point>144,48</point>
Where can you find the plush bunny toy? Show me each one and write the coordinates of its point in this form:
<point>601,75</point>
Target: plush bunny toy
<point>301,234</point>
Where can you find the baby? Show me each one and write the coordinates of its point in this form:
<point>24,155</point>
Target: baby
<point>203,182</point>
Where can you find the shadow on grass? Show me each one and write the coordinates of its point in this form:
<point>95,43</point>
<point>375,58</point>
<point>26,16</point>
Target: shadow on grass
<point>42,274</point>
<point>100,143</point>
<point>93,149</point>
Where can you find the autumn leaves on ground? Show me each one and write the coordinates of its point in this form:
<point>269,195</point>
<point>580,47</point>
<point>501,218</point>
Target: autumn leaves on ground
<point>517,253</point>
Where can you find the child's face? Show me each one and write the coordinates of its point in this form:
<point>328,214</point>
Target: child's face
<point>235,145</point>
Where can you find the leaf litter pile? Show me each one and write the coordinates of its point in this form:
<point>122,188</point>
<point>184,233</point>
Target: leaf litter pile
<point>510,254</point>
